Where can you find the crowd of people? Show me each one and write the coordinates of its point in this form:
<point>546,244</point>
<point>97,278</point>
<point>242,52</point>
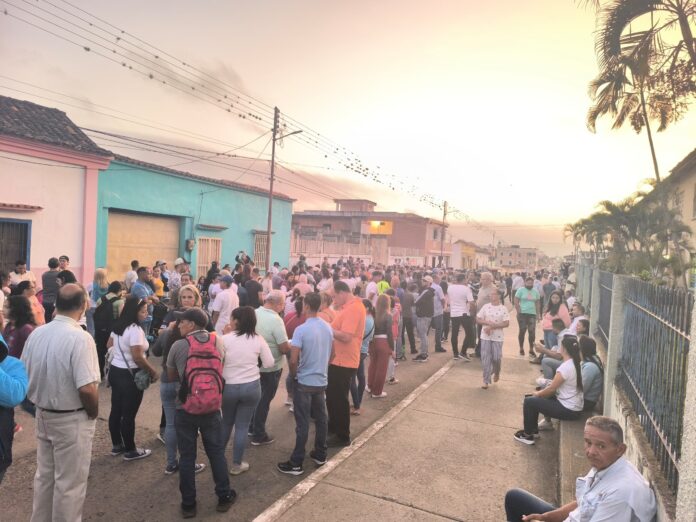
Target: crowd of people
<point>224,339</point>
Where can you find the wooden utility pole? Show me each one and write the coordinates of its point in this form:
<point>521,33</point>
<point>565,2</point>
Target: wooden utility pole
<point>269,233</point>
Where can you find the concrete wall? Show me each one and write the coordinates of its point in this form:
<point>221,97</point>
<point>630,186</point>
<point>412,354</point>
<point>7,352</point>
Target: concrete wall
<point>131,188</point>
<point>59,189</point>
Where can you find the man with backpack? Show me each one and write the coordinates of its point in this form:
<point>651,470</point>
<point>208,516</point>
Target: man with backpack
<point>196,361</point>
<point>425,309</point>
<point>105,314</point>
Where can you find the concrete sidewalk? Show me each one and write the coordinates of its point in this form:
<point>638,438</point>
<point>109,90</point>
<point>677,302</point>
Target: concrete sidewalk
<point>445,452</point>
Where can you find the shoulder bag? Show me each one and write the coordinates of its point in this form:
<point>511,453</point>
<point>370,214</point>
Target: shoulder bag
<point>141,377</point>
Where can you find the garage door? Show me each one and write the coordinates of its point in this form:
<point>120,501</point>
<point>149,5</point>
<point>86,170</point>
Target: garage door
<point>142,237</point>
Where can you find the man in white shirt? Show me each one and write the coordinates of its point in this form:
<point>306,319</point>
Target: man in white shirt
<point>517,283</point>
<point>225,301</point>
<point>131,275</point>
<point>578,312</point>
<point>461,299</point>
<point>21,274</point>
<point>372,291</point>
<point>61,361</point>
<point>612,490</point>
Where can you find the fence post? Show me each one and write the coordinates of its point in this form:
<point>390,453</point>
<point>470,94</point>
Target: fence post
<point>686,494</point>
<point>616,333</point>
<point>594,305</point>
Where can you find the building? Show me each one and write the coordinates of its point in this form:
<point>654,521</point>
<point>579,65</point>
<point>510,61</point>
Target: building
<point>464,255</point>
<point>484,258</point>
<point>356,229</point>
<point>149,212</point>
<point>514,257</point>
<point>48,170</point>
<point>682,185</point>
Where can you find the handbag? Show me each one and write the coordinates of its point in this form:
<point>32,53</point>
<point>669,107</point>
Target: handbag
<point>107,365</point>
<point>141,377</point>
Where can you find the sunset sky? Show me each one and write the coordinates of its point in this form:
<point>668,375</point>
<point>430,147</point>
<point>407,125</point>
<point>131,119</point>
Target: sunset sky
<point>479,103</point>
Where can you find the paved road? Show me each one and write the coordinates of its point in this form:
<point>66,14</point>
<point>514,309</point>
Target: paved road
<point>448,454</point>
<point>139,490</point>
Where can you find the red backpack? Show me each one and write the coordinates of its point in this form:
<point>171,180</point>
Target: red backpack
<point>201,388</point>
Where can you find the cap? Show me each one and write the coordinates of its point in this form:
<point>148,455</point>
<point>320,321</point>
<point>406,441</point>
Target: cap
<point>180,261</point>
<point>196,315</point>
<point>64,258</point>
<point>227,279</point>
<point>428,279</point>
<point>160,262</point>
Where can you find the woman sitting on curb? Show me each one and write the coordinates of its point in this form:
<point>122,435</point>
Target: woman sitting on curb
<point>562,399</point>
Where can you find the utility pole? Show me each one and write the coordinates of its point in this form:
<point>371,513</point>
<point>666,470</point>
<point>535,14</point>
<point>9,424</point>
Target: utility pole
<point>274,138</point>
<point>442,234</point>
<point>269,233</point>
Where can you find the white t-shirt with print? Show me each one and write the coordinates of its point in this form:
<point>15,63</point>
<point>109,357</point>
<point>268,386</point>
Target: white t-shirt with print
<point>495,314</point>
<point>132,336</point>
<point>567,393</point>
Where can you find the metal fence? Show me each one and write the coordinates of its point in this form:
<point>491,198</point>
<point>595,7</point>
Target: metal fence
<point>653,371</point>
<point>606,290</point>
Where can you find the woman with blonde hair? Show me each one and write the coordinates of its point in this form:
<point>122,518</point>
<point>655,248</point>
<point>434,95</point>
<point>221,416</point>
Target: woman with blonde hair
<point>381,349</point>
<point>97,289</point>
<point>325,311</point>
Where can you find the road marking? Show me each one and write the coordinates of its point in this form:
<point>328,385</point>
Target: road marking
<point>284,503</point>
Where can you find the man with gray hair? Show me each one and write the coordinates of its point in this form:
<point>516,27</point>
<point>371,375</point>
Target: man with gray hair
<point>613,489</point>
<point>270,326</point>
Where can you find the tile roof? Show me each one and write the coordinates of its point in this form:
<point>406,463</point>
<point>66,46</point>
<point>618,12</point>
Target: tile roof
<point>685,166</point>
<point>183,174</point>
<point>27,120</point>
<point>19,206</point>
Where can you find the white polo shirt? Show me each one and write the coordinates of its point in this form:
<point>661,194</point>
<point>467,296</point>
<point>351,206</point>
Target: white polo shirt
<point>60,358</point>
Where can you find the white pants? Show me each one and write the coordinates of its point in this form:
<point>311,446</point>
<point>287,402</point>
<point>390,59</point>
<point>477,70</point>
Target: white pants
<point>63,456</point>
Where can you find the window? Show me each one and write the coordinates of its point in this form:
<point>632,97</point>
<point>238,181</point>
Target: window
<point>14,242</point>
<point>260,242</point>
<point>677,200</point>
<point>209,250</point>
<point>435,233</point>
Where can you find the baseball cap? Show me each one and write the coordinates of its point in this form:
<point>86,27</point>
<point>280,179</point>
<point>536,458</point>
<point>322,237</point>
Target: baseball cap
<point>160,262</point>
<point>428,279</point>
<point>227,279</point>
<point>180,261</point>
<point>195,315</point>
<point>64,258</point>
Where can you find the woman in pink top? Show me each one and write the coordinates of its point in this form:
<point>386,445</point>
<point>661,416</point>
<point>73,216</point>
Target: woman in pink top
<point>556,309</point>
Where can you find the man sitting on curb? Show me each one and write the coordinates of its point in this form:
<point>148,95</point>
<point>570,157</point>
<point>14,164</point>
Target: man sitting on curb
<point>613,489</point>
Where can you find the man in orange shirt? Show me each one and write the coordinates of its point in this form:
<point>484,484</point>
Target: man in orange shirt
<point>348,329</point>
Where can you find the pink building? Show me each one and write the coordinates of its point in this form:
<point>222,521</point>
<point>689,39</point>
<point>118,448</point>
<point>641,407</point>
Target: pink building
<point>48,172</point>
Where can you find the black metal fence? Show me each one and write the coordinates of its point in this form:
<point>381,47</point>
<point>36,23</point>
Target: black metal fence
<point>603,322</point>
<point>653,371</point>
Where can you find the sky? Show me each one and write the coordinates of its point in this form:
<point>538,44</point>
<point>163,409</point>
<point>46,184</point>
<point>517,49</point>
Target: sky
<point>481,104</point>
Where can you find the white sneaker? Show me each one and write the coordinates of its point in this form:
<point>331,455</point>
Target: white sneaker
<point>542,382</point>
<point>546,425</point>
<point>238,469</point>
<point>292,409</point>
<point>383,394</point>
<point>288,401</point>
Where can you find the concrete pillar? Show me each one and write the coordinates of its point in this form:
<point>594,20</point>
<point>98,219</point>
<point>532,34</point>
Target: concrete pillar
<point>616,333</point>
<point>686,495</point>
<point>594,307</point>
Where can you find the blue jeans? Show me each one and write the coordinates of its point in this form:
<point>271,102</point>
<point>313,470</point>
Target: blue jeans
<point>289,380</point>
<point>357,383</point>
<point>187,428</point>
<point>550,339</point>
<point>168,398</point>
<point>519,503</point>
<point>305,400</point>
<point>269,386</point>
<point>238,404</point>
<point>437,326</point>
<point>422,324</point>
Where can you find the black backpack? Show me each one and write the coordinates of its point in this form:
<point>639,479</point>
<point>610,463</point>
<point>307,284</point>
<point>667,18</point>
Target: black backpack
<point>425,305</point>
<point>104,316</point>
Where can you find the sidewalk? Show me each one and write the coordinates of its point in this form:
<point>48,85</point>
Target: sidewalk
<point>445,452</point>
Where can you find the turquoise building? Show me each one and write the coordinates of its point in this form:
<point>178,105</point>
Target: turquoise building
<point>149,212</point>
